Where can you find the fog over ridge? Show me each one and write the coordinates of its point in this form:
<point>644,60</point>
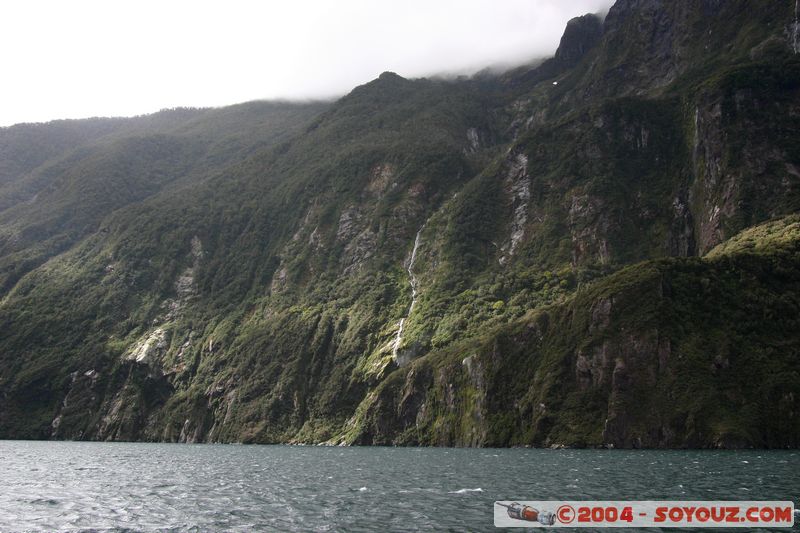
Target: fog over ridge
<point>94,58</point>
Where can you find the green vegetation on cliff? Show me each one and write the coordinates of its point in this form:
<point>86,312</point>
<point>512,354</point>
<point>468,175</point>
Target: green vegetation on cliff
<point>591,268</point>
<point>665,353</point>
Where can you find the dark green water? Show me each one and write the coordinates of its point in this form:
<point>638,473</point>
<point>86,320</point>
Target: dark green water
<point>68,486</point>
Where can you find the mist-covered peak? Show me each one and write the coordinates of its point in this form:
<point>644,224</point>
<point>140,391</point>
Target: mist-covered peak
<point>390,76</point>
<point>580,36</point>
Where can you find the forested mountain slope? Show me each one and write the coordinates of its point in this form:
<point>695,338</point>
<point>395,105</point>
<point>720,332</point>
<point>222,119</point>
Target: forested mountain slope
<point>598,250</point>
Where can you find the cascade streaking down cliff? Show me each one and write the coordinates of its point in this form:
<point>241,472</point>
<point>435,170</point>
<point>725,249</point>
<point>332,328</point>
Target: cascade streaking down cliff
<point>412,281</point>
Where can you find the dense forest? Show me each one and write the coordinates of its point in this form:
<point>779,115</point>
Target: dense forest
<point>601,249</point>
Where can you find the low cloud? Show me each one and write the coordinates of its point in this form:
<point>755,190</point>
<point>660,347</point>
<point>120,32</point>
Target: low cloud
<point>92,58</point>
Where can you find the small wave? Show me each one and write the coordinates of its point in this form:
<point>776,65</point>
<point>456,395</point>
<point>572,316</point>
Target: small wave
<point>362,489</point>
<point>44,501</point>
<point>464,491</point>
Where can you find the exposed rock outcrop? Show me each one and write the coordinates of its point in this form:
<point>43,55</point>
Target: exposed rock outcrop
<point>517,185</point>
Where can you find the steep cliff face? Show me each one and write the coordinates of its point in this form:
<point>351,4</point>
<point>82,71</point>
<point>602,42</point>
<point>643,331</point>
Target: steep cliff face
<point>668,353</point>
<point>561,255</point>
<point>743,152</point>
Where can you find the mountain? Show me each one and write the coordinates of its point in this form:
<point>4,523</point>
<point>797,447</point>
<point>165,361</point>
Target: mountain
<point>599,250</point>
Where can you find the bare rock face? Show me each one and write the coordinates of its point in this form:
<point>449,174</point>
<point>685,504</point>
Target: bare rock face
<point>681,241</point>
<point>473,138</point>
<point>634,365</point>
<point>411,408</point>
<point>85,391</point>
<point>717,188</point>
<point>581,35</point>
<point>191,432</point>
<point>601,314</point>
<point>592,367</point>
<point>738,165</point>
<point>589,226</point>
<point>659,30</point>
<point>358,250</point>
<point>382,178</point>
<point>517,186</point>
<point>185,286</point>
<point>348,223</point>
<point>150,349</point>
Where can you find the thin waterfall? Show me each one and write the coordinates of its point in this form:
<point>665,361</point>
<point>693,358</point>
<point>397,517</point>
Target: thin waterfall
<point>412,280</point>
<point>796,31</point>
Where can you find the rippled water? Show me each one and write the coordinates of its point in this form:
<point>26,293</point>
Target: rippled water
<point>57,486</point>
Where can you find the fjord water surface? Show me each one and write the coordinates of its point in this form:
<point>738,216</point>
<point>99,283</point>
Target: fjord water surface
<point>68,486</point>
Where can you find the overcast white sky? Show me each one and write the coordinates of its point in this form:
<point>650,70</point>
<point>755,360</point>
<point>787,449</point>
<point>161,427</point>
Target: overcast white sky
<point>78,58</point>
